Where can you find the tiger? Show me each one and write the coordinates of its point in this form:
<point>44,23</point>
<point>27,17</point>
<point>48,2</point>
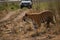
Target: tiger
<point>42,17</point>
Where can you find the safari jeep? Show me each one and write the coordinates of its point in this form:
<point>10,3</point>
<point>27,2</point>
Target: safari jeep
<point>26,3</point>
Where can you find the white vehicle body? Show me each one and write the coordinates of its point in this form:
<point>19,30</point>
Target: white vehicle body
<point>26,3</point>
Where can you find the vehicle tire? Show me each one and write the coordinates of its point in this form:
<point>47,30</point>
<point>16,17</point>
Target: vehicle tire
<point>21,7</point>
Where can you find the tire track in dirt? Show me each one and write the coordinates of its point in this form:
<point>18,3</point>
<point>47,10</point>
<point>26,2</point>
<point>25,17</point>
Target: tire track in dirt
<point>8,15</point>
<point>17,15</point>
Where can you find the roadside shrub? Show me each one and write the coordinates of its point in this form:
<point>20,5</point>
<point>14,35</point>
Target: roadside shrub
<point>2,7</point>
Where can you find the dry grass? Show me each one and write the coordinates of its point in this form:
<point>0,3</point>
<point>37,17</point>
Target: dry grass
<point>21,30</point>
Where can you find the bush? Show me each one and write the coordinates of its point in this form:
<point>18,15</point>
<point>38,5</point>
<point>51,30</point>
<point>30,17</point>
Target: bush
<point>13,6</point>
<point>2,7</point>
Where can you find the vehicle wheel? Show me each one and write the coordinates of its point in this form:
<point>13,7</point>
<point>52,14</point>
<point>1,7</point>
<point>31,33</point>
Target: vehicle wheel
<point>21,7</point>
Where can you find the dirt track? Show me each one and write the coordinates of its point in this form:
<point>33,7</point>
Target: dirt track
<point>13,13</point>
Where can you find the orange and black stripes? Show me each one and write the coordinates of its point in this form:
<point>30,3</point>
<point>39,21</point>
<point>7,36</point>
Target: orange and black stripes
<point>46,16</point>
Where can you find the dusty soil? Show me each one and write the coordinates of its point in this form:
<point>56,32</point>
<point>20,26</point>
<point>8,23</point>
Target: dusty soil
<point>12,27</point>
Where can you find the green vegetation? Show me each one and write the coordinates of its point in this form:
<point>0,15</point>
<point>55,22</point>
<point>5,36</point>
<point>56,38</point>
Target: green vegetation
<point>2,7</point>
<point>37,6</point>
<point>13,6</point>
<point>9,6</point>
<point>46,5</point>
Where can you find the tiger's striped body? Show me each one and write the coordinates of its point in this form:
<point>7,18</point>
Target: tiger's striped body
<point>43,17</point>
